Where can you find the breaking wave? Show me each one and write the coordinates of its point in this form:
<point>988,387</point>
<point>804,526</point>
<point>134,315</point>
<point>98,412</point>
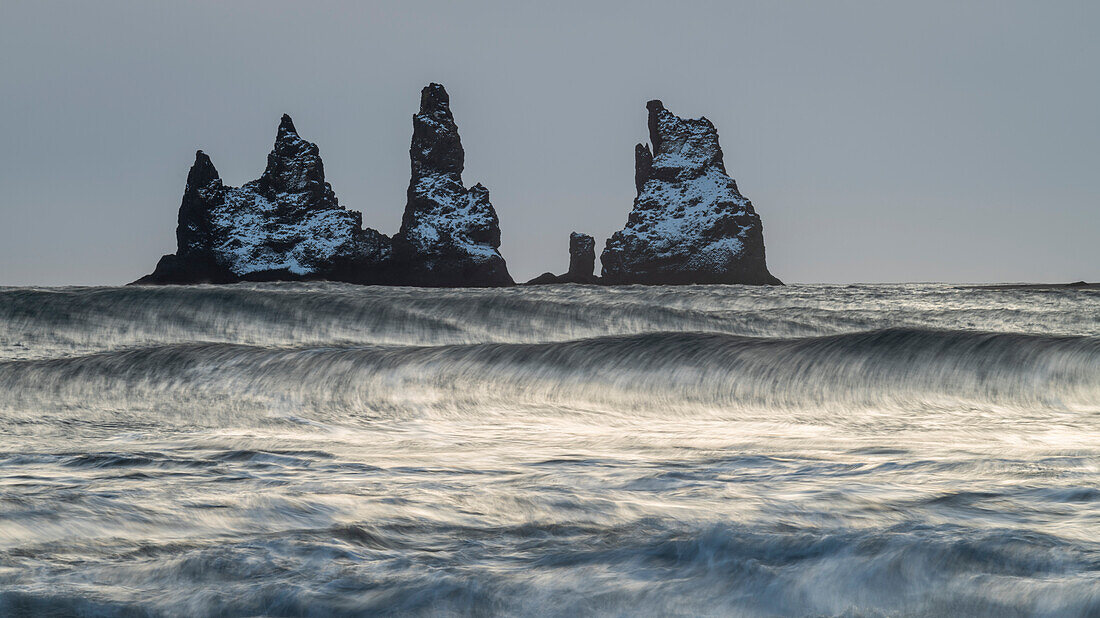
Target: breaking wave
<point>316,449</point>
<point>654,373</point>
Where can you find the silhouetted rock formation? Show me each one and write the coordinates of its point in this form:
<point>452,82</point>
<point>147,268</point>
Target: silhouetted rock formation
<point>546,278</point>
<point>449,234</point>
<point>582,262</point>
<point>287,225</point>
<point>689,223</point>
<point>582,256</point>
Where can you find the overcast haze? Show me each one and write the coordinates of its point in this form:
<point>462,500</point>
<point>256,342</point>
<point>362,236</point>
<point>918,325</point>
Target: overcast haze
<point>878,142</point>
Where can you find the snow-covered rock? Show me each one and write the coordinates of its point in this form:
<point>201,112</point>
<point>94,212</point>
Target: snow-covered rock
<point>286,225</point>
<point>689,224</point>
<point>449,234</point>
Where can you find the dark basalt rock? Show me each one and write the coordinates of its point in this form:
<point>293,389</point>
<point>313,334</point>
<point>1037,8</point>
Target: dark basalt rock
<point>582,256</point>
<point>450,235</point>
<point>546,278</point>
<point>194,260</point>
<point>689,224</point>
<point>582,263</point>
<point>286,225</point>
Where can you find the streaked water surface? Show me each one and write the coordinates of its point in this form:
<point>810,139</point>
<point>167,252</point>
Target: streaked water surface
<point>317,449</point>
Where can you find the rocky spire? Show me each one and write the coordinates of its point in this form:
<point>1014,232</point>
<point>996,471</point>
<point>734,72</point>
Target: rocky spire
<point>295,174</point>
<point>449,234</point>
<point>689,224</point>
<point>204,193</point>
<point>436,147</point>
<point>286,128</point>
<point>202,173</point>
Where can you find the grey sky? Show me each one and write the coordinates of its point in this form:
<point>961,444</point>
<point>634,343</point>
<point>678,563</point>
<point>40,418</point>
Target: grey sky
<point>879,141</point>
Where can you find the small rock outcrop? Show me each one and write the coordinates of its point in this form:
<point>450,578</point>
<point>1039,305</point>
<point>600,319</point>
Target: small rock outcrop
<point>450,235</point>
<point>286,225</point>
<point>582,263</point>
<point>689,224</point>
<point>582,256</point>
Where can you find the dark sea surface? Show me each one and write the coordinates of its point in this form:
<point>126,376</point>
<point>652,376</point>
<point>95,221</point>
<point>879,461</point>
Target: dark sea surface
<point>322,449</point>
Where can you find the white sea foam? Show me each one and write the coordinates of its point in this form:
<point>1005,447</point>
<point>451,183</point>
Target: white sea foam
<point>321,449</point>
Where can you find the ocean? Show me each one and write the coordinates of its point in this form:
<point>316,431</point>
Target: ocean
<point>328,450</point>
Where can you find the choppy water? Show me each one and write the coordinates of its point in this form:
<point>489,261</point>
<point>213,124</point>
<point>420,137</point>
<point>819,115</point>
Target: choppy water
<point>293,449</point>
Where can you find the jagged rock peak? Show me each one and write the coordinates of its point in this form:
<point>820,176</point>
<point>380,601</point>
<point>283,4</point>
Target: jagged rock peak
<point>436,146</point>
<point>687,146</point>
<point>295,174</point>
<point>202,172</point>
<point>689,223</point>
<point>449,234</point>
<point>286,127</point>
<point>285,225</point>
<point>435,100</point>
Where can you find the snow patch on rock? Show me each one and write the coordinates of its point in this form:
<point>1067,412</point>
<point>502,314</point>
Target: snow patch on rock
<point>450,235</point>
<point>689,224</point>
<point>287,224</point>
<point>255,238</point>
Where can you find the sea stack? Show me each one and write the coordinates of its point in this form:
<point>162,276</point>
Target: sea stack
<point>449,235</point>
<point>689,224</point>
<point>582,257</point>
<point>286,225</point>
<point>582,262</point>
